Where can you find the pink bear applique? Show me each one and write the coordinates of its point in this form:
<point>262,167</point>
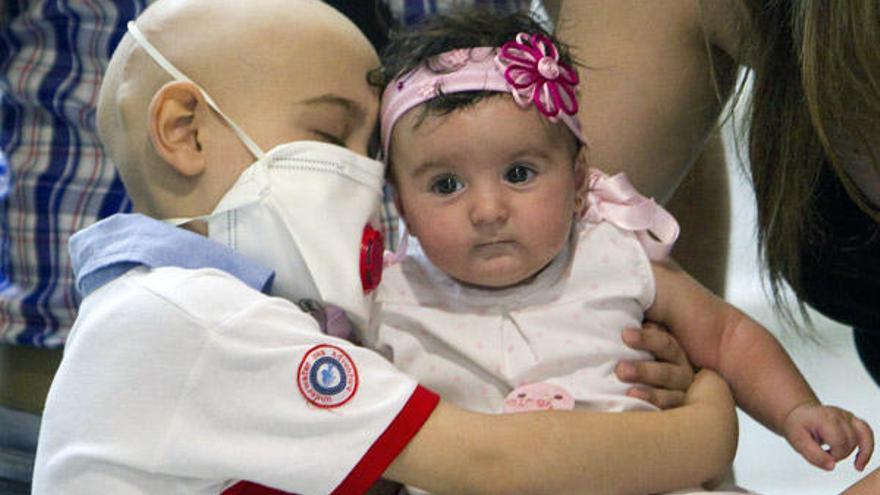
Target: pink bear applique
<point>540,396</point>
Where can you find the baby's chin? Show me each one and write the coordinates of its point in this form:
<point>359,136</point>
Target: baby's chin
<point>498,277</point>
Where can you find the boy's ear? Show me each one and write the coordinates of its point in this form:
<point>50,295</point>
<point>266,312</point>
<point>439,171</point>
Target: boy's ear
<point>174,128</point>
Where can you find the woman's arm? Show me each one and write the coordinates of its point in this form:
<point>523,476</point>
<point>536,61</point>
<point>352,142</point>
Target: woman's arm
<point>651,101</point>
<point>574,452</point>
<point>655,79</point>
<point>701,204</point>
<point>703,247</point>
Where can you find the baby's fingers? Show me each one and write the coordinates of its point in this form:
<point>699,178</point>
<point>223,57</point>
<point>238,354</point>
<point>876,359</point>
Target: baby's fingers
<point>840,439</point>
<point>804,443</point>
<point>866,443</point>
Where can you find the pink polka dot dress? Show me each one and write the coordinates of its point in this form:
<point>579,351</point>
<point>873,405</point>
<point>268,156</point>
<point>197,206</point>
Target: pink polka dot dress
<point>552,343</point>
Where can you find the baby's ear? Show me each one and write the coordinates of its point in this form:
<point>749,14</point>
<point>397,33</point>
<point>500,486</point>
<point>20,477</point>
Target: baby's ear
<point>391,190</point>
<point>174,126</point>
<point>398,204</point>
<point>581,182</point>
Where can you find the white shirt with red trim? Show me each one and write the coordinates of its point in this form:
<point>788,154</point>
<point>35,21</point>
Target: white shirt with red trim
<point>185,381</point>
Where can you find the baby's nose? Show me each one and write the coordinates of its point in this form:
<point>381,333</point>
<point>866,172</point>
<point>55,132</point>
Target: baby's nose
<point>489,207</point>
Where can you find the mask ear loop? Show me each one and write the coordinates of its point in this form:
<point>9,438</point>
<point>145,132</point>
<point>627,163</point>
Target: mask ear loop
<point>180,76</point>
<point>396,256</point>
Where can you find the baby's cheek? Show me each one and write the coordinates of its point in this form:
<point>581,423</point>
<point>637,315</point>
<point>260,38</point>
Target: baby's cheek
<point>443,254</point>
<point>552,240</point>
<point>441,239</point>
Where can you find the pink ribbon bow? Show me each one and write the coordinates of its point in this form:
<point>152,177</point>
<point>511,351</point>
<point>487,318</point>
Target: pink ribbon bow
<point>614,199</point>
<point>532,69</point>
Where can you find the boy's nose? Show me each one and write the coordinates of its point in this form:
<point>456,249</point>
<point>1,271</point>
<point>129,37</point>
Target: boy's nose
<point>488,207</point>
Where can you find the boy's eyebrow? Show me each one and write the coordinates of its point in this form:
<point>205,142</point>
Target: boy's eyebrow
<point>350,107</point>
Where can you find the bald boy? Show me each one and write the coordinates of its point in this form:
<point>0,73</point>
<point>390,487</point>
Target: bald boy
<point>183,374</point>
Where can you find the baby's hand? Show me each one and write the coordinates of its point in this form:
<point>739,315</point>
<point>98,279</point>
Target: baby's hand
<point>812,426</point>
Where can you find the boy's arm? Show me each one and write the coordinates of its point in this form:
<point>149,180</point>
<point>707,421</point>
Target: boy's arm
<point>574,452</point>
<point>869,485</point>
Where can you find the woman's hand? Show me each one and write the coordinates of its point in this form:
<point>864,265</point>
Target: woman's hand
<point>662,382</point>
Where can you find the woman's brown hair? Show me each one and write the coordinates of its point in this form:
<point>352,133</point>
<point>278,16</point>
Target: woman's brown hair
<point>816,67</point>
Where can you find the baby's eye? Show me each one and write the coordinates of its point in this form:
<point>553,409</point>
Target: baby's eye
<point>446,184</point>
<point>519,173</point>
<point>329,138</point>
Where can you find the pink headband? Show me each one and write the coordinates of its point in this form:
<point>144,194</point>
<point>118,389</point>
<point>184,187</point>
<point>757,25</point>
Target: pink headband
<point>527,67</point>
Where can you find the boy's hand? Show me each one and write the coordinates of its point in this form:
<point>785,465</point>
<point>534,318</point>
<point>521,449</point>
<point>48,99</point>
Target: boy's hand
<point>667,378</point>
<point>812,426</point>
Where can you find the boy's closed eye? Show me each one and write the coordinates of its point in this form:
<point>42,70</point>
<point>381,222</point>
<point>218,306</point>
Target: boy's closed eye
<point>328,137</point>
<point>330,118</point>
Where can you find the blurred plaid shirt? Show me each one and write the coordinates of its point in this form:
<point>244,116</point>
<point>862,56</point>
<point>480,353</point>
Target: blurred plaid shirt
<point>54,176</point>
<point>55,179</point>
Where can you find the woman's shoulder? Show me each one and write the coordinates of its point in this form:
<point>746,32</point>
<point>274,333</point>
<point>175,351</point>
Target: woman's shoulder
<point>720,21</point>
<point>645,68</point>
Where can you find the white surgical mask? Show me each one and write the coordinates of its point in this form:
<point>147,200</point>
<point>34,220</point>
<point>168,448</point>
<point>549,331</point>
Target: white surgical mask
<point>304,209</point>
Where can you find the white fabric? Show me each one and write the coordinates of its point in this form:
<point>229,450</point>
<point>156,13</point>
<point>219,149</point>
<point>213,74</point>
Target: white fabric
<point>179,381</point>
<point>473,347</point>
<point>293,197</point>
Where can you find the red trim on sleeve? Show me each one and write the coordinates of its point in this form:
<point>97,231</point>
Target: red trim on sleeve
<point>385,449</point>
<point>393,440</point>
<point>248,488</point>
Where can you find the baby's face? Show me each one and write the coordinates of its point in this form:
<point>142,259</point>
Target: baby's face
<point>488,190</point>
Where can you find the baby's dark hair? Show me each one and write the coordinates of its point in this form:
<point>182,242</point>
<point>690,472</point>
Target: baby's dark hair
<point>464,28</point>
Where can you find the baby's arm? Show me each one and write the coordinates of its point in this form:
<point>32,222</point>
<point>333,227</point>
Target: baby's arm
<point>765,381</point>
<point>574,451</point>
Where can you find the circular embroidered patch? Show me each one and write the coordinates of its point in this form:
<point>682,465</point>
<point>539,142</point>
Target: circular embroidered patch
<point>327,376</point>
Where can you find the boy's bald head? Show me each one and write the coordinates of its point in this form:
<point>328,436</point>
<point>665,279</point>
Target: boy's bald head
<point>250,57</point>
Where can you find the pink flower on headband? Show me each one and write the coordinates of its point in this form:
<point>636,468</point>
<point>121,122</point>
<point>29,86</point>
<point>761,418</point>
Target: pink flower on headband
<point>532,69</point>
